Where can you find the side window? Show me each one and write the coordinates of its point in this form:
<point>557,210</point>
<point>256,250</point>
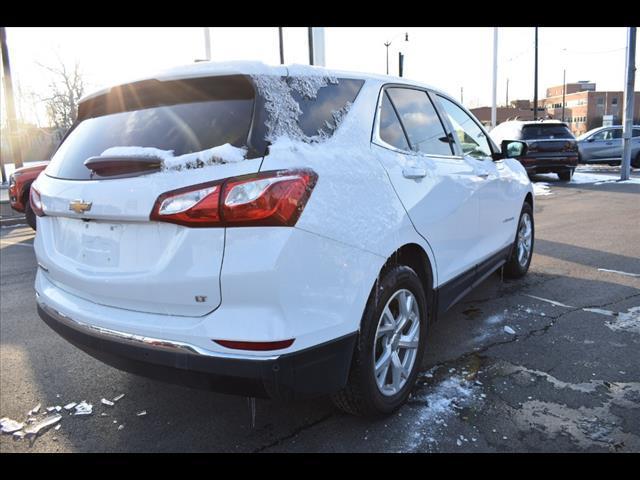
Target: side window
<point>600,136</point>
<point>635,132</point>
<point>617,133</point>
<point>473,140</point>
<point>390,128</point>
<point>420,120</point>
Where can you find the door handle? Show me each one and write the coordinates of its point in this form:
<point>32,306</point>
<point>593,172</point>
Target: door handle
<point>414,172</point>
<point>483,175</point>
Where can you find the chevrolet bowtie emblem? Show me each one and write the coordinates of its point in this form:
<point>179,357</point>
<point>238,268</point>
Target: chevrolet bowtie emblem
<point>79,206</point>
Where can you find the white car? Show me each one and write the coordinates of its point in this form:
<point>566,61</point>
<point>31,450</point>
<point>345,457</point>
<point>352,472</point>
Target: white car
<point>273,231</point>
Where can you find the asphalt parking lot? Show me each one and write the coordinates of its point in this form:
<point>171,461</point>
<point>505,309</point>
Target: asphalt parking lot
<point>567,379</point>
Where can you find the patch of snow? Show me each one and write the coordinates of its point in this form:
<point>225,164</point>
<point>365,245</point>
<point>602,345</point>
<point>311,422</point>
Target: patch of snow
<point>445,398</point>
<point>221,154</point>
<point>8,425</point>
<point>283,109</point>
<point>541,189</point>
<point>628,321</point>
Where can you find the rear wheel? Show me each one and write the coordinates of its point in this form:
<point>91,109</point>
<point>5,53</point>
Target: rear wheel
<point>522,250</point>
<point>635,163</point>
<point>390,346</point>
<point>565,175</point>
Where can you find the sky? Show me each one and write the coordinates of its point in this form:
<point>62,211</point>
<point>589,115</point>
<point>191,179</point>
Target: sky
<point>447,58</point>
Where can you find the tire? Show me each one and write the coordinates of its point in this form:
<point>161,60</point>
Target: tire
<point>28,213</point>
<point>565,175</point>
<point>515,268</point>
<point>635,163</point>
<point>362,395</point>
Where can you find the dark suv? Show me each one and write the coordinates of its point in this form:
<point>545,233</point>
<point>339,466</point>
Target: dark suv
<point>551,147</point>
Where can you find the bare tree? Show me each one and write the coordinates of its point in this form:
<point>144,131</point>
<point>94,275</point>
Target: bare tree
<point>66,88</point>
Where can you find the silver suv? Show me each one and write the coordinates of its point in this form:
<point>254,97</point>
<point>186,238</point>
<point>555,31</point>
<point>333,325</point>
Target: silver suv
<point>604,145</point>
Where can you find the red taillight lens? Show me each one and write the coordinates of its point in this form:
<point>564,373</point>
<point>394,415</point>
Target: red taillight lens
<point>265,199</point>
<point>195,206</point>
<point>257,346</point>
<point>36,202</point>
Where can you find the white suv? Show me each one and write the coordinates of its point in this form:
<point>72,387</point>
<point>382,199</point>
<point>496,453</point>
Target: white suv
<point>273,231</point>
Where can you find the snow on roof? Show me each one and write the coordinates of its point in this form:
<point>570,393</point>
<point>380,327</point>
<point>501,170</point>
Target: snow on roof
<point>211,69</point>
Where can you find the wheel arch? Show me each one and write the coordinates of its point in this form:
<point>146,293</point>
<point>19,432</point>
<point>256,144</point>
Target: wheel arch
<point>414,256</point>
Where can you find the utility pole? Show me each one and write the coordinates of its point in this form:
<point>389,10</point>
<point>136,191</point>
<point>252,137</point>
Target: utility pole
<point>387,44</point>
<point>628,104</point>
<point>281,45</point>
<point>564,89</point>
<point>535,80</point>
<point>400,63</point>
<point>310,36</point>
<point>207,44</point>
<point>507,95</point>
<point>16,154</point>
<point>494,100</point>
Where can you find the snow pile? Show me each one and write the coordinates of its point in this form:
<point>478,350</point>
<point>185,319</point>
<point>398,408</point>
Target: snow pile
<point>541,189</point>
<point>628,321</point>
<point>449,395</point>
<point>221,154</point>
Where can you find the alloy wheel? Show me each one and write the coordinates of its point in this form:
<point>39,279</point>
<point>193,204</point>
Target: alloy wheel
<point>396,342</point>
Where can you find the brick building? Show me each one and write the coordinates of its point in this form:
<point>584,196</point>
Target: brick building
<point>585,107</point>
<point>518,110</point>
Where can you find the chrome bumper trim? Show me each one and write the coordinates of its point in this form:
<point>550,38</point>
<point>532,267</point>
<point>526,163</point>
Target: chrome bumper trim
<point>140,340</point>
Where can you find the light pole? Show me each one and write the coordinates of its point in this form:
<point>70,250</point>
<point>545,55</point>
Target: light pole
<point>207,44</point>
<point>627,120</point>
<point>281,41</point>
<point>12,124</point>
<point>388,44</point>
<point>535,80</point>
<point>494,101</point>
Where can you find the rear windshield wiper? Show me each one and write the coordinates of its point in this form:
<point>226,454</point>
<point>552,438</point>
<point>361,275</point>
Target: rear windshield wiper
<point>109,166</point>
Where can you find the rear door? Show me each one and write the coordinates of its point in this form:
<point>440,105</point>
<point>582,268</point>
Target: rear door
<point>96,239</point>
<point>437,186</point>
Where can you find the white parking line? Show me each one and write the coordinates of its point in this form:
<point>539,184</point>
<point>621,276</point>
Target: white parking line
<point>552,302</point>
<point>9,244</point>
<point>618,271</point>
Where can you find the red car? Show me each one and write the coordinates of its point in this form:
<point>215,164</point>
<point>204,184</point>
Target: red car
<point>19,187</point>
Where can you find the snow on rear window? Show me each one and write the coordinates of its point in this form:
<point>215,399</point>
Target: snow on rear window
<point>307,108</point>
<point>226,153</point>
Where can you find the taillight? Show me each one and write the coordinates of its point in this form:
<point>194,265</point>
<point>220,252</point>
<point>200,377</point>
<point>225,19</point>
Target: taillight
<point>195,206</point>
<point>36,202</point>
<point>264,199</point>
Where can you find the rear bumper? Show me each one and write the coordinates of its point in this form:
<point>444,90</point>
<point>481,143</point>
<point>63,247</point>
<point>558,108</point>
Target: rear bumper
<point>549,164</point>
<point>314,371</point>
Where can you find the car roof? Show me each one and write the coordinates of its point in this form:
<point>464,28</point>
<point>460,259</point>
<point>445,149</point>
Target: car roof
<point>212,69</point>
<point>597,129</point>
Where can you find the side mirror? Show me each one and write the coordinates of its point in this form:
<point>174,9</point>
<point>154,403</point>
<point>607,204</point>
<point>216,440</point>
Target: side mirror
<point>513,148</point>
<point>590,139</point>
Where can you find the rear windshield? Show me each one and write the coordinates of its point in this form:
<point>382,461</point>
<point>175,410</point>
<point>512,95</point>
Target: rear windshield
<point>542,131</point>
<point>184,122</point>
<point>167,119</point>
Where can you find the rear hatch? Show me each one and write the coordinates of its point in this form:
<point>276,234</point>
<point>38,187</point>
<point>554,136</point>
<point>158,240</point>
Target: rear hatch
<point>549,140</point>
<point>96,239</point>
